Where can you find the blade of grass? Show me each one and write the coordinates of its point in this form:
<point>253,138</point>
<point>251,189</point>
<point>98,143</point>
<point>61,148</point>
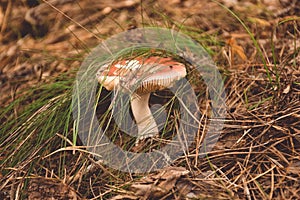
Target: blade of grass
<point>252,38</point>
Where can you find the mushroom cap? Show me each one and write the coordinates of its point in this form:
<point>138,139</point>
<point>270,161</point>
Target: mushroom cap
<point>143,74</point>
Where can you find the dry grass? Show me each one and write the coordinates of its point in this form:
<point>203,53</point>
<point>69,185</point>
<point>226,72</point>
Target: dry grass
<point>258,153</point>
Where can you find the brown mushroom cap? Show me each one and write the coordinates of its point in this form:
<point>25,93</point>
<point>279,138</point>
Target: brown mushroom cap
<point>145,74</point>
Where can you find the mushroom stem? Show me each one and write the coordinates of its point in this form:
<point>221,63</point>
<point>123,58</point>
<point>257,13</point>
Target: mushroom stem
<point>146,124</point>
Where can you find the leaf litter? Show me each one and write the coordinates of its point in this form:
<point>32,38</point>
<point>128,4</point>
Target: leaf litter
<point>258,154</point>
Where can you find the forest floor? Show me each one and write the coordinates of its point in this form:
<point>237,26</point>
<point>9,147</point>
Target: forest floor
<point>258,153</point>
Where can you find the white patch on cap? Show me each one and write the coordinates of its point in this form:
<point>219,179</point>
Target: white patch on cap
<point>130,64</point>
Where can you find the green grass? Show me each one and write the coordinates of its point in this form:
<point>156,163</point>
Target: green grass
<point>251,35</point>
<point>38,127</point>
<point>29,135</point>
<point>40,121</point>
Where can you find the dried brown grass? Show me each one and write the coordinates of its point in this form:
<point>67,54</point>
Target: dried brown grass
<point>258,154</point>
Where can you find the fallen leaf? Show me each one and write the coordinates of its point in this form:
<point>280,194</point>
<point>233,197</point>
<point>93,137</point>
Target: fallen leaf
<point>159,184</point>
<point>236,49</point>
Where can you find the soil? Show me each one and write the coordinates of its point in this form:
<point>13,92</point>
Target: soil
<point>258,154</point>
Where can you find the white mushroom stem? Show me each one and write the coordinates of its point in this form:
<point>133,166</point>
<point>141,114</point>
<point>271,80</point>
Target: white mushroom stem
<point>146,124</point>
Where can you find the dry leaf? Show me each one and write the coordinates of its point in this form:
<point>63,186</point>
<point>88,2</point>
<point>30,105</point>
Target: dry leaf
<point>47,188</point>
<point>236,49</point>
<point>160,184</point>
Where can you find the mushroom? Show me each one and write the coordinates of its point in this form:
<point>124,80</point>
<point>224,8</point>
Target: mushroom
<point>143,76</point>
